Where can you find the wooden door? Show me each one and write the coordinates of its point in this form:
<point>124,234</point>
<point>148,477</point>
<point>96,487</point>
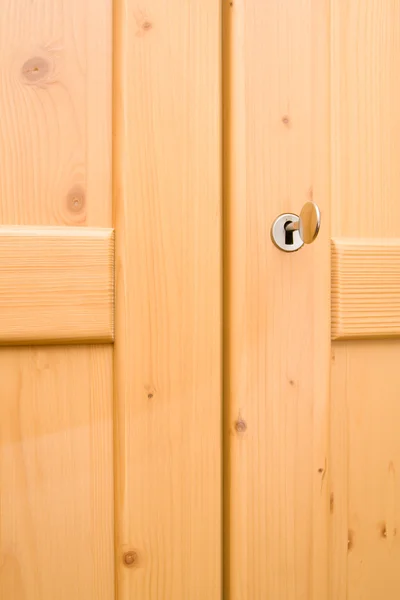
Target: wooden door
<point>312,362</point>
<point>127,130</point>
<point>110,403</point>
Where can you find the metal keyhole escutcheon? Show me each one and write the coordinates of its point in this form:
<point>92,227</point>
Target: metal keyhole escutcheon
<point>290,232</point>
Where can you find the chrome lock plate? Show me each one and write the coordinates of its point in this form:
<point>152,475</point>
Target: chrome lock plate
<point>288,241</point>
<point>290,232</point>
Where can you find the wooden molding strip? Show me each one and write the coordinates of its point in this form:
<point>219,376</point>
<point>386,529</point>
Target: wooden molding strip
<point>365,288</point>
<point>56,285</point>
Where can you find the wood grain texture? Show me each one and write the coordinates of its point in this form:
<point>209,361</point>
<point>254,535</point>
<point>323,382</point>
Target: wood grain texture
<point>168,397</point>
<point>56,284</point>
<point>56,471</point>
<point>276,59</point>
<point>365,288</point>
<point>56,487</point>
<point>365,445</point>
<point>55,106</point>
<point>365,509</point>
<point>365,39</point>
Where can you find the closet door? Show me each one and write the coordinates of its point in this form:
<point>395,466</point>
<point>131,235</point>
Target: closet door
<point>312,372</point>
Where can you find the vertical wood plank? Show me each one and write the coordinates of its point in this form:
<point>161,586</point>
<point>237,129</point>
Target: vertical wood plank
<point>56,488</point>
<point>278,309</point>
<point>341,537</point>
<point>365,447</point>
<point>168,315</point>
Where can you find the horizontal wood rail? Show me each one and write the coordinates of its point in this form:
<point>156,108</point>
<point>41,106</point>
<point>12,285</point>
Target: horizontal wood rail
<point>365,288</point>
<point>56,285</point>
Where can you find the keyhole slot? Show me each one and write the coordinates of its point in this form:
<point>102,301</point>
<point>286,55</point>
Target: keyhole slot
<point>288,234</point>
<point>285,232</point>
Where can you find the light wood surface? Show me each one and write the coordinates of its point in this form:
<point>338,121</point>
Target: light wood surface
<point>56,284</point>
<point>167,174</point>
<point>365,57</point>
<point>56,472</point>
<point>56,487</point>
<point>365,453</point>
<point>55,107</point>
<point>365,445</point>
<point>365,288</point>
<point>276,57</point>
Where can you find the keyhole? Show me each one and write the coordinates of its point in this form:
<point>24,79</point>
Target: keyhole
<point>288,235</point>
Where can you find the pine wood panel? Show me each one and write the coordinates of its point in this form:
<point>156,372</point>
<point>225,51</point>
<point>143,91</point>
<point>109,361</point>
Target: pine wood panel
<point>56,488</point>
<point>276,58</point>
<point>56,284</point>
<point>365,510</point>
<point>365,446</point>
<point>55,106</point>
<point>365,288</point>
<point>167,173</point>
<point>365,116</point>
